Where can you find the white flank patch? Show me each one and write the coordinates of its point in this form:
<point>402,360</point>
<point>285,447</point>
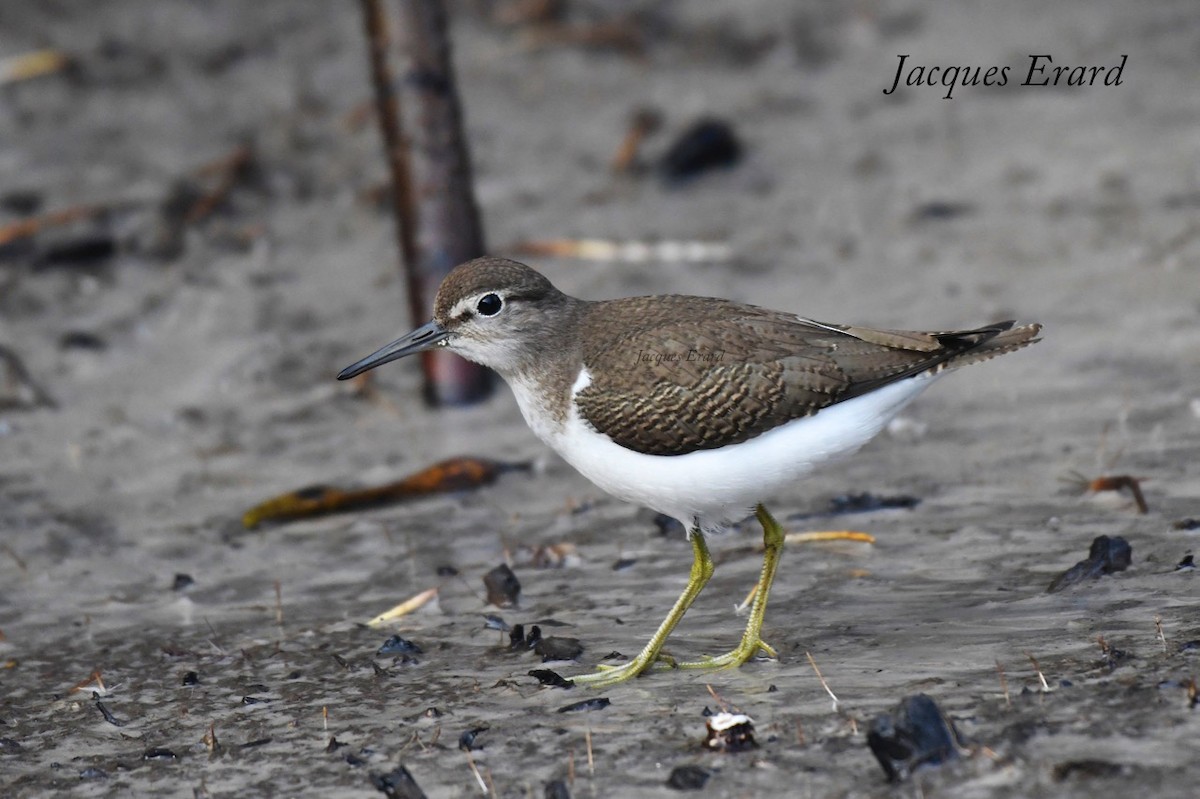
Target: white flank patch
<point>722,485</point>
<point>717,486</point>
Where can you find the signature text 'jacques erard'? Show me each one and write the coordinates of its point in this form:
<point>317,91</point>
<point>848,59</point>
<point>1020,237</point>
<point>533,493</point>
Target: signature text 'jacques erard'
<point>1040,71</point>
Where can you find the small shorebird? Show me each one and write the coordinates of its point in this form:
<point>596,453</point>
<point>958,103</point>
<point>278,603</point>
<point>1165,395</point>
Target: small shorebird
<point>696,407</point>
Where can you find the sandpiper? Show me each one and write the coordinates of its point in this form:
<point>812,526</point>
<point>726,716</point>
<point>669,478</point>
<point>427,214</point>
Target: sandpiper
<point>697,407</point>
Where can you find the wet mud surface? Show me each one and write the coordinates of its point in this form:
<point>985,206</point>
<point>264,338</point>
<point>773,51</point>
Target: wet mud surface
<point>178,358</point>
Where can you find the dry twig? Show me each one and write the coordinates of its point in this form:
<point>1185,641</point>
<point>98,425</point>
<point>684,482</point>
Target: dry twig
<point>825,685</point>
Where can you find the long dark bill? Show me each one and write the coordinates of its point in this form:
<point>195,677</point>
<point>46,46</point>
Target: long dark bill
<point>425,337</point>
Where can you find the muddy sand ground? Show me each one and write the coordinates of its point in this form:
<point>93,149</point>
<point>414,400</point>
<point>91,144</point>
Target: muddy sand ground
<point>192,375</point>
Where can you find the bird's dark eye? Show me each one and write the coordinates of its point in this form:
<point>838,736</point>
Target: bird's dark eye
<point>489,305</point>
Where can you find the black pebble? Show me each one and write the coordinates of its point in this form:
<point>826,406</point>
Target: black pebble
<point>867,502</point>
<point>1106,556</point>
<point>916,733</point>
<point>398,646</point>
<point>1115,553</point>
<point>551,678</point>
<point>558,648</point>
<point>1086,769</point>
<point>688,778</point>
<point>22,202</point>
<point>82,250</point>
<point>159,753</point>
<point>466,741</point>
<point>502,586</point>
<point>941,210</point>
<point>709,143</point>
<point>556,789</point>
<point>81,340</point>
<point>599,703</point>
<point>517,640</point>
<point>398,784</point>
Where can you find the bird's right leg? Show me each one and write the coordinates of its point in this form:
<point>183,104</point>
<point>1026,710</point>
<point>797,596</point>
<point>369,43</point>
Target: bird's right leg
<point>702,569</point>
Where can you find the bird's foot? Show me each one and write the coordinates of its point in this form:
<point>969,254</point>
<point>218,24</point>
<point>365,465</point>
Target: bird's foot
<point>606,675</point>
<point>747,649</point>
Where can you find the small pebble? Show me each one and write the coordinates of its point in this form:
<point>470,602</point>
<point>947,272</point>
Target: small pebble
<point>708,144</point>
<point>688,778</point>
<point>598,703</point>
<point>159,753</point>
<point>466,741</point>
<point>398,646</point>
<point>503,587</point>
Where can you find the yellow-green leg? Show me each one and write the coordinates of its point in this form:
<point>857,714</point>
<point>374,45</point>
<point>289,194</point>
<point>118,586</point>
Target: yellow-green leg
<point>752,641</point>
<point>702,569</point>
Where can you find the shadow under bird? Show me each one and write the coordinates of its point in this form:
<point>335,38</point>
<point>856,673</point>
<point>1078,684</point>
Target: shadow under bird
<point>696,407</point>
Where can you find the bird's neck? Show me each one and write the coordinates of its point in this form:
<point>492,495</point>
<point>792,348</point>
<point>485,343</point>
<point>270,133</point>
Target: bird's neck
<point>542,383</point>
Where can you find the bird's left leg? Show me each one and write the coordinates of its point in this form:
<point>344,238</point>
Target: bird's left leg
<point>752,642</point>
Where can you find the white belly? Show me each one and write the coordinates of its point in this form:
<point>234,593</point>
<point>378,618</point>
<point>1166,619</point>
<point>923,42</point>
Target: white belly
<point>722,485</point>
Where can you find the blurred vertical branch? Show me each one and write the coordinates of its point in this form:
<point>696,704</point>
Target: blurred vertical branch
<point>433,198</point>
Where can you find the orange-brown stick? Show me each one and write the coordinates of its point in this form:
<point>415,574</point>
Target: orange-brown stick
<point>454,474</point>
